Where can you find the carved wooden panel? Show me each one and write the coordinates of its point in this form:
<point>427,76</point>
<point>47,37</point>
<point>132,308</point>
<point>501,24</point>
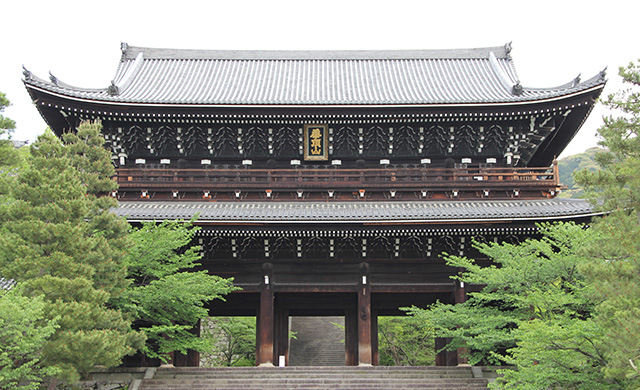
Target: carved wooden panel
<point>164,141</point>
<point>413,247</point>
<point>224,142</point>
<point>216,248</point>
<point>250,248</point>
<point>437,140</point>
<point>283,248</point>
<point>286,142</point>
<point>466,140</point>
<point>345,142</point>
<point>376,142</point>
<point>496,138</point>
<point>348,247</point>
<point>380,247</point>
<point>194,142</point>
<point>406,141</point>
<point>315,248</point>
<point>255,142</point>
<point>134,141</point>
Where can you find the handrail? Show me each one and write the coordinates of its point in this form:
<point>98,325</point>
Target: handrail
<point>337,178</point>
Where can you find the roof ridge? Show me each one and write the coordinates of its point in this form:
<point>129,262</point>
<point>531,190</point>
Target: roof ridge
<point>131,52</point>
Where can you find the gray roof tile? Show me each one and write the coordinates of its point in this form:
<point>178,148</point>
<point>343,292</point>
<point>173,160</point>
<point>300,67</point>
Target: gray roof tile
<point>166,76</point>
<point>345,212</point>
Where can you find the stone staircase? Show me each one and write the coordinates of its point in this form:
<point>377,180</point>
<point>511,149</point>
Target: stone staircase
<point>354,378</point>
<point>318,341</point>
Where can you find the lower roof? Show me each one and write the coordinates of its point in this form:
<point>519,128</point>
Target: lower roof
<point>433,211</point>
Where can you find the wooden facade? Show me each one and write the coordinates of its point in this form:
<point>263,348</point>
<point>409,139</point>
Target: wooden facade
<point>330,183</point>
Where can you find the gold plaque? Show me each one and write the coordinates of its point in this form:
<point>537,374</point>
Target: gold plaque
<point>316,141</point>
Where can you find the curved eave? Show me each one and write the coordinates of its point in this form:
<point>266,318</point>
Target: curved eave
<point>311,106</point>
<point>369,213</point>
<point>387,222</point>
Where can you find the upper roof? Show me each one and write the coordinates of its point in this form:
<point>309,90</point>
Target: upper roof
<point>445,211</point>
<point>199,77</point>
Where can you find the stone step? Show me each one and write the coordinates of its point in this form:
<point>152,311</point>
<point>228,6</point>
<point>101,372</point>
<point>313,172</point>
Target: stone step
<point>356,378</point>
<point>318,341</point>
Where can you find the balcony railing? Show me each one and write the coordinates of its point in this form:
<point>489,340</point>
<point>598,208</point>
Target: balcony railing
<point>337,178</point>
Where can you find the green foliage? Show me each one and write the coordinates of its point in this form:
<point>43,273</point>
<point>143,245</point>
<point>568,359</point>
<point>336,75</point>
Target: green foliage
<point>535,312</point>
<point>615,276</point>
<point>8,155</point>
<point>167,297</point>
<point>405,341</point>
<point>576,163</point>
<point>617,184</point>
<point>60,240</point>
<point>615,270</point>
<point>24,330</point>
<point>562,354</point>
<point>233,339</point>
<point>6,124</point>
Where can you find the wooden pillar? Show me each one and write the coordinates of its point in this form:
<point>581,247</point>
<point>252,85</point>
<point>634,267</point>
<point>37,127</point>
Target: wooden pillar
<point>374,337</point>
<point>461,297</point>
<point>441,357</point>
<point>193,357</point>
<point>281,342</point>
<point>351,336</point>
<point>365,349</point>
<point>265,331</point>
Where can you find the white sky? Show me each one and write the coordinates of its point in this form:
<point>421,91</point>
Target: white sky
<point>79,41</point>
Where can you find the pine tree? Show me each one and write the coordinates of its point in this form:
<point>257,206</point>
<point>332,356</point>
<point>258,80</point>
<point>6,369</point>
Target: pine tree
<point>60,240</point>
<point>615,189</point>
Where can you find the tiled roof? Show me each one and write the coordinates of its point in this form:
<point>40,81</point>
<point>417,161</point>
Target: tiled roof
<point>196,77</point>
<point>345,212</point>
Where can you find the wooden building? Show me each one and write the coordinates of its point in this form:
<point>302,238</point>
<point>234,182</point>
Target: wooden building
<point>330,182</point>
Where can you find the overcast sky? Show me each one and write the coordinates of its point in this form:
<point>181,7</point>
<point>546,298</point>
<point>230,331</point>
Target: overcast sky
<point>79,41</point>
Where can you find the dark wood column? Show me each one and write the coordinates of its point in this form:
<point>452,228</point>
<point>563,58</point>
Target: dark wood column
<point>265,331</point>
<point>351,336</point>
<point>365,347</point>
<point>374,337</point>
<point>461,297</point>
<point>281,342</point>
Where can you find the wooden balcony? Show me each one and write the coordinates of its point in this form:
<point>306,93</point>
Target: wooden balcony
<point>337,179</point>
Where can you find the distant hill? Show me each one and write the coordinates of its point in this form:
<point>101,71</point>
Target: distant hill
<point>570,164</point>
